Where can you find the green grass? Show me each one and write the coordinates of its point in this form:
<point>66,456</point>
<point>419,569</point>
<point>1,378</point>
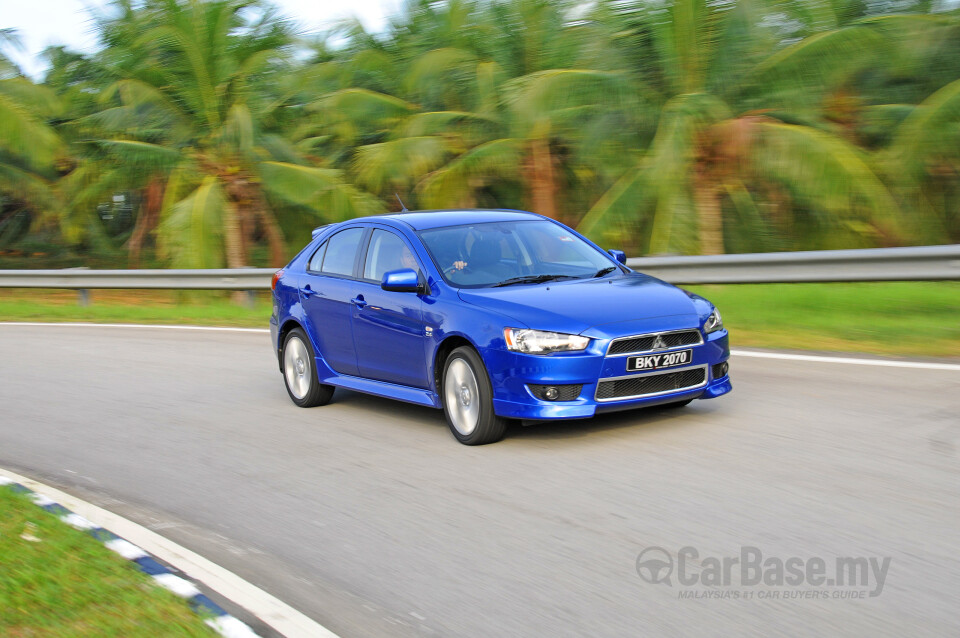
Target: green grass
<point>921,318</point>
<point>67,584</point>
<point>901,318</point>
<point>161,307</point>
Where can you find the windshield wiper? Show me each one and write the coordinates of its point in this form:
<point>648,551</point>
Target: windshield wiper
<point>605,271</point>
<point>532,279</point>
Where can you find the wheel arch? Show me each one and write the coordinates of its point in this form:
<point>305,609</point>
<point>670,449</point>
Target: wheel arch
<point>448,345</point>
<point>289,324</point>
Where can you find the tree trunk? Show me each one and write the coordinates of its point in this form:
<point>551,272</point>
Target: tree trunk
<point>540,179</point>
<point>147,220</point>
<point>233,242</point>
<point>274,235</point>
<point>251,208</point>
<point>232,239</point>
<point>706,197</point>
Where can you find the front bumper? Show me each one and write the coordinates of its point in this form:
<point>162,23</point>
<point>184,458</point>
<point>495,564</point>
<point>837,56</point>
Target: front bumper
<point>512,373</point>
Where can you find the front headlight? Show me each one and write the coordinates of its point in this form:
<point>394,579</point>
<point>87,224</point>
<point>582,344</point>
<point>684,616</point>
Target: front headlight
<point>713,322</point>
<point>542,342</point>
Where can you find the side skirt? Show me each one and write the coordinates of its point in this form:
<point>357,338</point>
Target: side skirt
<point>418,396</point>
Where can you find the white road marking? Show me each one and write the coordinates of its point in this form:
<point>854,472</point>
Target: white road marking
<point>890,363</point>
<point>274,612</point>
<point>158,326</point>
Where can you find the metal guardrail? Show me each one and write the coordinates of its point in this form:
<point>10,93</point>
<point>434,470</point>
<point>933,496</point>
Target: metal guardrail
<point>918,263</point>
<point>930,263</point>
<point>159,279</point>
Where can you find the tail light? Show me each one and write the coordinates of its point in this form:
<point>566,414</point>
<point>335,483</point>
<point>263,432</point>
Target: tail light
<point>277,275</point>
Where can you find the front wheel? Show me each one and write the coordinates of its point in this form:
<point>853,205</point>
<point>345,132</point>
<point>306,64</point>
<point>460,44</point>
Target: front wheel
<point>468,399</point>
<point>300,372</point>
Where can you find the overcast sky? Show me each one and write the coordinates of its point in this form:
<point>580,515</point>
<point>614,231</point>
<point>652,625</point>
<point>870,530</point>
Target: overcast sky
<point>45,22</point>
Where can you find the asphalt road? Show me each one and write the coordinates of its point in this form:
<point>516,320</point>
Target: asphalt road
<point>369,517</point>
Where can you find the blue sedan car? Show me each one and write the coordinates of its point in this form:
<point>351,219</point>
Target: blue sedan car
<point>489,315</point>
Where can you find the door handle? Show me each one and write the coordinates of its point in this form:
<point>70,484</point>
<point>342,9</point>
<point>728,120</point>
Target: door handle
<point>358,301</point>
<point>308,291</point>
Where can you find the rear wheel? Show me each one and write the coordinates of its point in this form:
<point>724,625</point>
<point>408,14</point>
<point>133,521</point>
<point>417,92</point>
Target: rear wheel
<point>300,372</point>
<point>468,399</point>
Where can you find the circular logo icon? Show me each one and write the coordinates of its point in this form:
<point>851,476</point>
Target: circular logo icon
<point>654,565</point>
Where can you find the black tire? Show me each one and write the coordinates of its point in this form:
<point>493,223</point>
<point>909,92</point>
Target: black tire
<point>467,377</point>
<point>300,372</point>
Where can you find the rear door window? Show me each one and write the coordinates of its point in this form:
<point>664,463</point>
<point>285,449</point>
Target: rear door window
<point>341,252</point>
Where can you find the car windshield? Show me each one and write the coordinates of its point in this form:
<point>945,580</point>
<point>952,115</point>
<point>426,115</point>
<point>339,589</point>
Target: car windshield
<point>512,253</point>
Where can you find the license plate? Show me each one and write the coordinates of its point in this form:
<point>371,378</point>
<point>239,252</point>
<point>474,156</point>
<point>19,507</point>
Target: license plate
<point>658,361</point>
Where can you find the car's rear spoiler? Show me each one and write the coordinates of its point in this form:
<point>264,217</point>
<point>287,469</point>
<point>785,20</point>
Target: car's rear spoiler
<point>316,231</point>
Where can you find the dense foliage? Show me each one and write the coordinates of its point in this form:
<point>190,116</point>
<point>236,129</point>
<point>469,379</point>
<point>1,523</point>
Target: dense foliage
<point>209,133</point>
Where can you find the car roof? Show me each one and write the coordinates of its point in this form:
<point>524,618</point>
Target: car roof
<point>426,219</point>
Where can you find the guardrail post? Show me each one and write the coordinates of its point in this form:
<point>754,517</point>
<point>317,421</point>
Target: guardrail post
<point>251,299</point>
<point>83,296</point>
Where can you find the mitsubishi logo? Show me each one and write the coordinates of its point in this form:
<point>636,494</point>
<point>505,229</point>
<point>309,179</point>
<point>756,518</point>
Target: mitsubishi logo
<point>659,343</point>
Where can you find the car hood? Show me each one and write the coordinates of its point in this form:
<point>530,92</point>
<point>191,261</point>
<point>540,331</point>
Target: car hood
<point>606,307</point>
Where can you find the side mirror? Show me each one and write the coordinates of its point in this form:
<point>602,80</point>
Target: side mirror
<point>619,255</point>
<point>403,280</point>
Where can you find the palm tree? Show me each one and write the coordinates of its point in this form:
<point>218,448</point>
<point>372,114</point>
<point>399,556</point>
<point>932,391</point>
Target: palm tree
<point>541,118</point>
<point>925,157</point>
<point>738,120</point>
<point>29,151</point>
<point>189,121</point>
<point>499,118</point>
<point>9,39</point>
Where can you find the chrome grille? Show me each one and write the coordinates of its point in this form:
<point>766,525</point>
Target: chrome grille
<point>645,343</point>
<point>651,384</point>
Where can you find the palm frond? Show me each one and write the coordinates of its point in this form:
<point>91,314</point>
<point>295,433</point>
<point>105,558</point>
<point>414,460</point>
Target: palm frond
<point>430,67</point>
<point>191,234</point>
<point>362,105</point>
<point>322,190</point>
<point>397,163</point>
<point>453,185</point>
<point>659,185</point>
<point>821,60</point>
<point>40,100</point>
<point>23,135</point>
<point>277,147</point>
<point>26,186</point>
<point>238,129</point>
<point>141,155</point>
<point>200,72</point>
<point>926,133</point>
<point>536,96</point>
<point>626,199</point>
<point>145,100</point>
<point>441,122</point>
<point>829,173</point>
<point>88,185</point>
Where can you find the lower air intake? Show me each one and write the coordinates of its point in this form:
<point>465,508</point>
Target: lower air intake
<point>650,384</point>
